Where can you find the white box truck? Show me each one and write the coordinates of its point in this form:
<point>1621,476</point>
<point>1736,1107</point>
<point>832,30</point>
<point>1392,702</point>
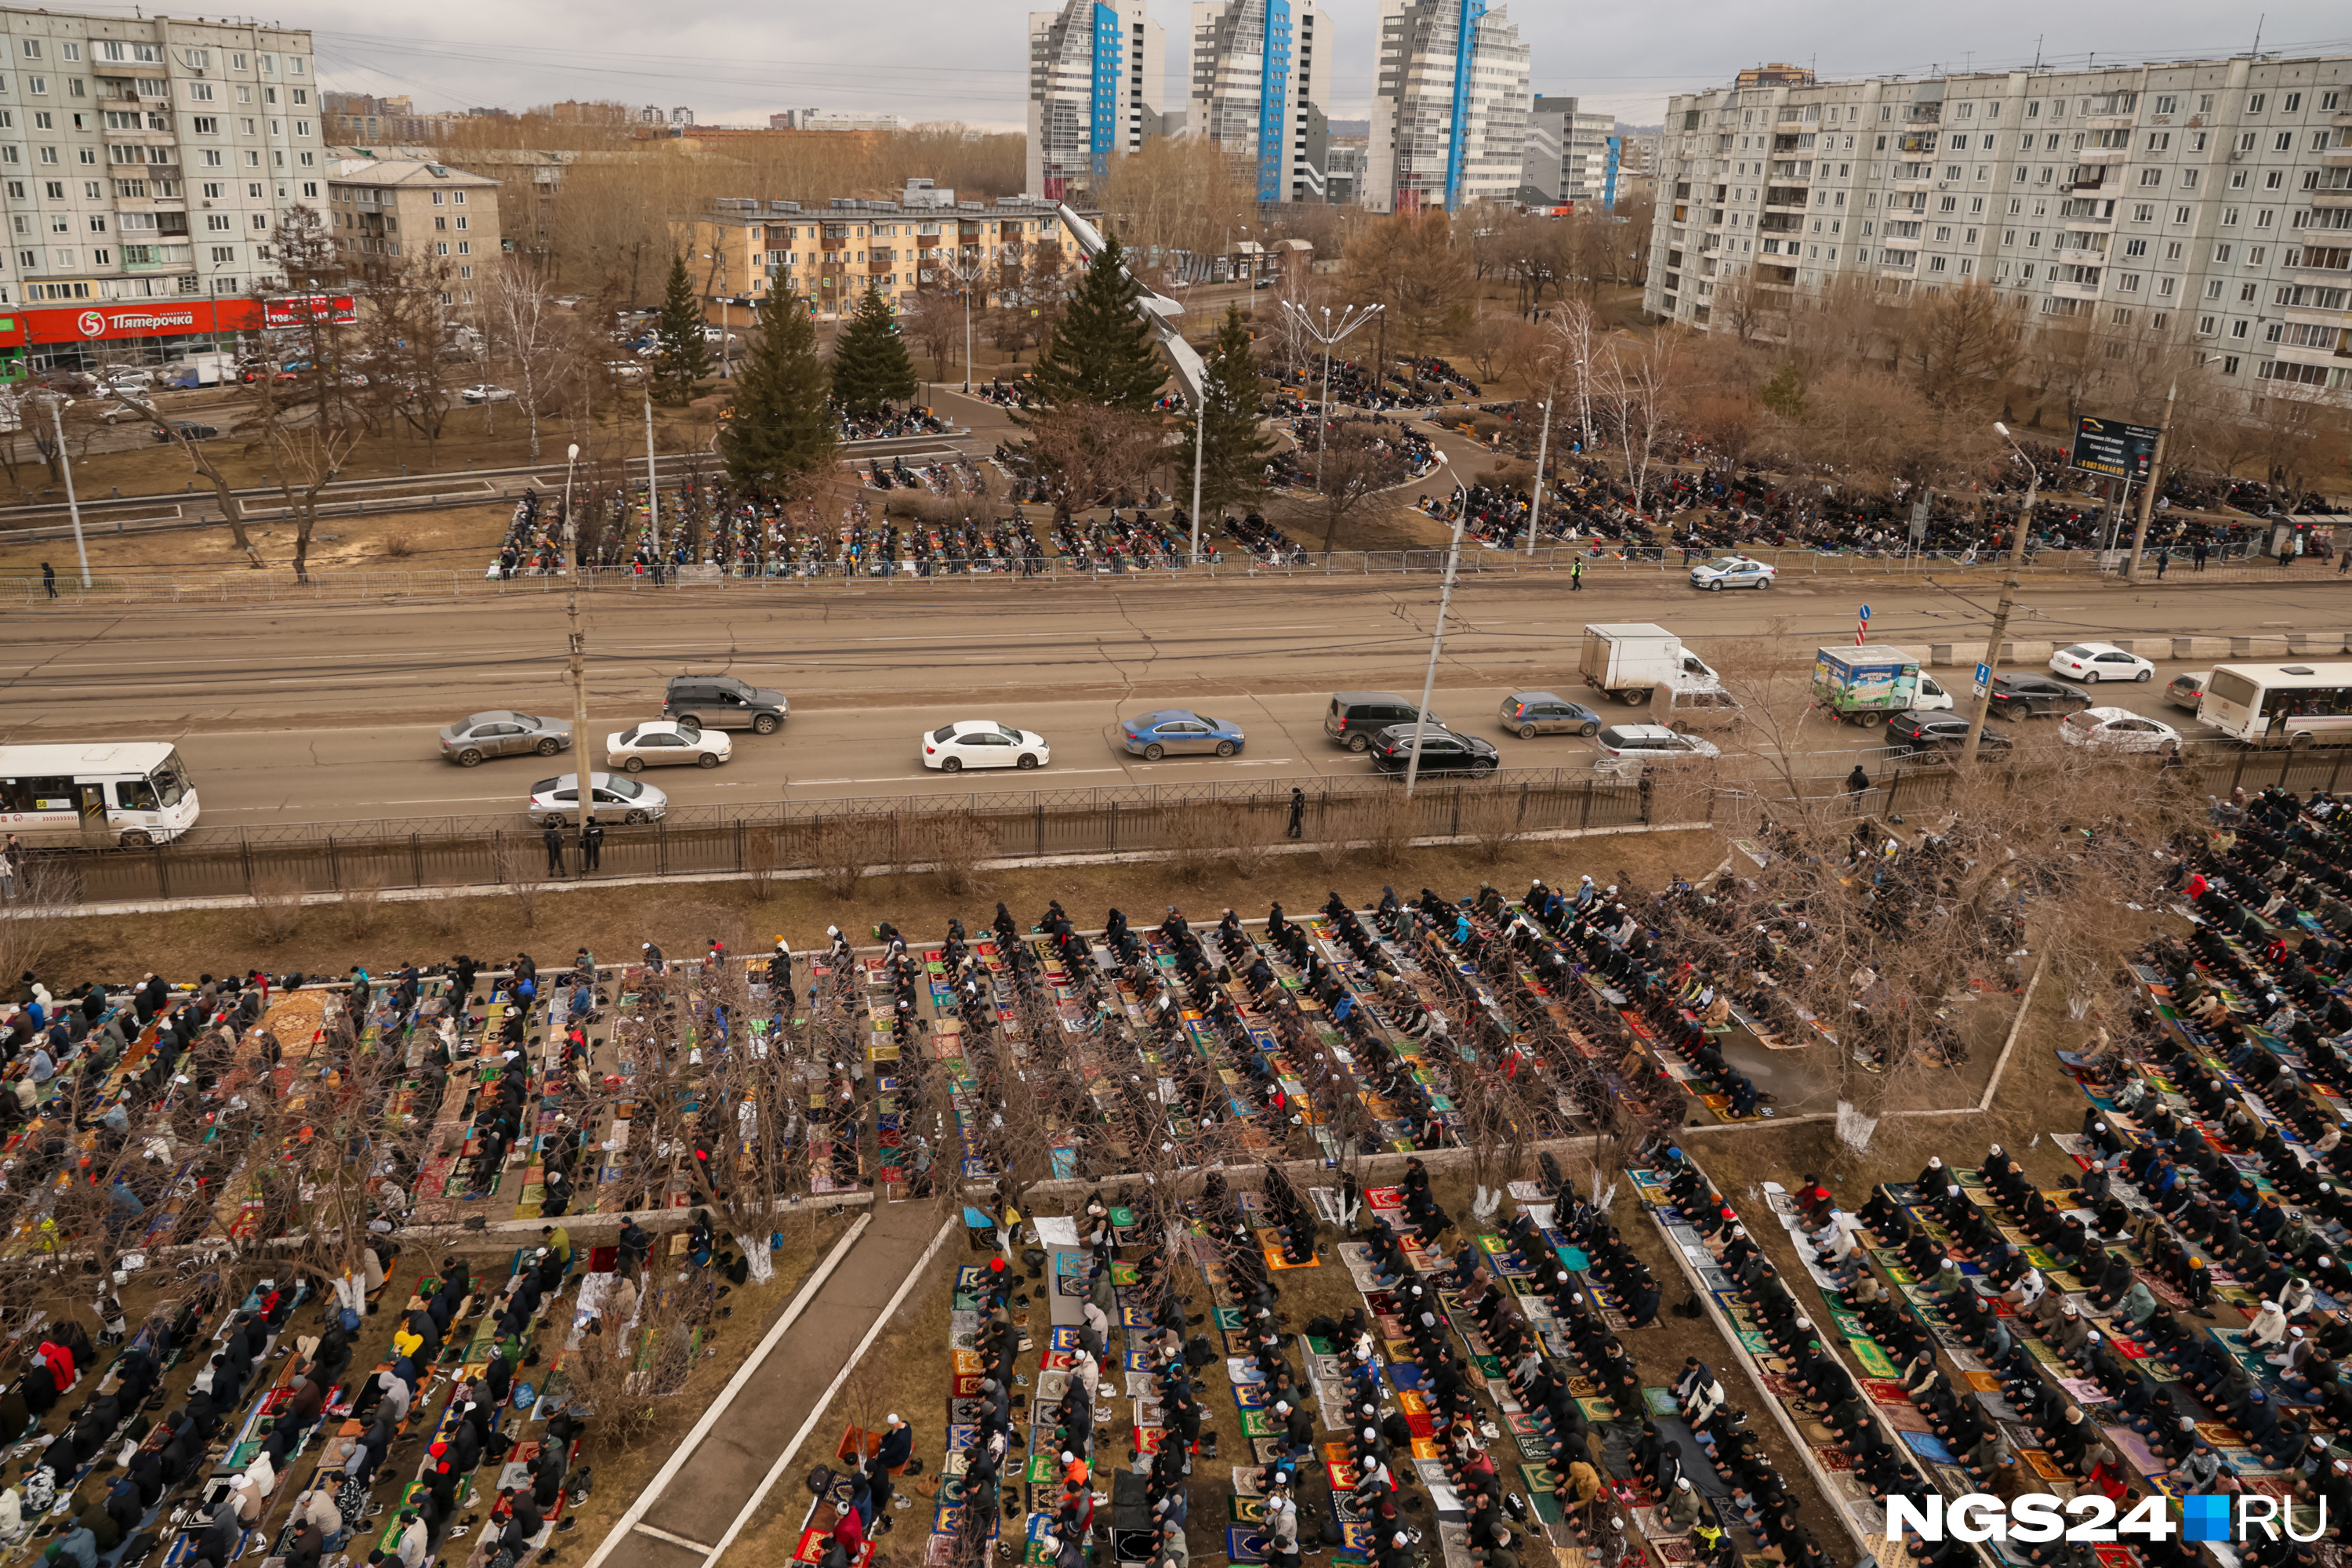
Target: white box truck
<point>201,370</point>
<point>1631,659</point>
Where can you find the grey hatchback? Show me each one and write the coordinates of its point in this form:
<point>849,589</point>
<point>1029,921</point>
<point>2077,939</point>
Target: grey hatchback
<point>501,733</point>
<point>1527,714</point>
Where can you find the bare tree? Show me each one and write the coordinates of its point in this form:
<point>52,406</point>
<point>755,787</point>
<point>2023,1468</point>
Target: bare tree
<point>1356,463</point>
<point>1636,386</point>
<point>524,332</point>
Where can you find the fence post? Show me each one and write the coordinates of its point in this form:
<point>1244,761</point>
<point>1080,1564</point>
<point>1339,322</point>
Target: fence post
<point>1041,826</point>
<point>1523,803</point>
<point>739,845</point>
<point>335,871</point>
<point>416,857</point>
<point>1112,826</point>
<point>244,857</point>
<point>1455,831</point>
<point>661,849</point>
<point>1584,808</point>
<point>163,873</point>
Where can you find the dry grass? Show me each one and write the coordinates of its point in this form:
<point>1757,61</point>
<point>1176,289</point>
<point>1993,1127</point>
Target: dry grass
<point>273,908</point>
<point>399,544</point>
<point>362,901</point>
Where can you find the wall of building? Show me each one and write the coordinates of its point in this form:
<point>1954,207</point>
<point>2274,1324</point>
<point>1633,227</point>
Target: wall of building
<point>1450,116</point>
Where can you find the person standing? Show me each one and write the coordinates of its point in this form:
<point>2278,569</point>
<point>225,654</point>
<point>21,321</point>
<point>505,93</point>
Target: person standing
<point>591,847</point>
<point>1297,810</point>
<point>50,578</point>
<point>2196,552</point>
<point>1857,782</point>
<point>553,838</point>
<point>2163,560</point>
<point>1576,575</point>
<point>12,865</point>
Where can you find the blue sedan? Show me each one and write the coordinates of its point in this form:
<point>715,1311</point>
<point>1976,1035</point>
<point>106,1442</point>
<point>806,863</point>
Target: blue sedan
<point>1153,736</point>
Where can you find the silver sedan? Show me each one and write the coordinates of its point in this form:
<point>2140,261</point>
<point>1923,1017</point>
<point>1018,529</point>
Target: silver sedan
<point>502,733</point>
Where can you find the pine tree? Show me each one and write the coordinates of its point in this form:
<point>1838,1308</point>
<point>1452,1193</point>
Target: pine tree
<point>1102,351</point>
<point>780,440</point>
<point>1236,447</point>
<point>681,355</point>
<point>870,368</point>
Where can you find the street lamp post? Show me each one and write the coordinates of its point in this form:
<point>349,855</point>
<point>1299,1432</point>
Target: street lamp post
<point>1438,638</point>
<point>65,467</point>
<point>966,273</point>
<point>1351,319</point>
<point>1535,499</point>
<point>583,754</point>
<point>2154,476</point>
<point>2008,595</point>
<point>652,484</point>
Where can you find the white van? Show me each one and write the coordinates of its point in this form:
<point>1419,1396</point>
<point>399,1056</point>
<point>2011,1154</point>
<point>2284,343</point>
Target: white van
<point>1932,697</point>
<point>1688,710</point>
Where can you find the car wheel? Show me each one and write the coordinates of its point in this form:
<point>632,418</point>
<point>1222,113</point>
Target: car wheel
<point>1682,727</point>
<point>469,758</point>
<point>2143,675</point>
<point>1359,743</point>
<point>1527,731</point>
<point>1716,586</point>
<point>765,724</point>
<point>1225,748</point>
<point>1589,730</point>
<point>1483,769</point>
<point>550,746</point>
<point>134,839</point>
<point>1028,762</point>
<point>708,760</point>
<point>1154,752</point>
<point>634,766</point>
<point>1869,721</point>
<point>952,765</point>
<point>1762,584</point>
<point>635,817</point>
<point>1638,698</point>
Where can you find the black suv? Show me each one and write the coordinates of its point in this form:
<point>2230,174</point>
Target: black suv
<point>1918,737</point>
<point>723,703</point>
<point>1441,750</point>
<point>2031,696</point>
<point>1355,717</point>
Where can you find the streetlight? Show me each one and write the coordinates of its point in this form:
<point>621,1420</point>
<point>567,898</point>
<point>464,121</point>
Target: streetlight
<point>1535,499</point>
<point>726,361</point>
<point>1437,638</point>
<point>58,402</point>
<point>582,754</point>
<point>2008,594</point>
<point>1351,319</point>
<point>967,275</point>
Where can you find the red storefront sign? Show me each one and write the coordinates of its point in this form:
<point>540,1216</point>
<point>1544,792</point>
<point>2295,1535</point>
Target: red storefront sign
<point>159,318</point>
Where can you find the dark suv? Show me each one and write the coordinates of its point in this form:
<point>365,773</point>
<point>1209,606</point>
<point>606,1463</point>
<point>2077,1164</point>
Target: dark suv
<point>1355,717</point>
<point>723,703</point>
<point>1918,737</point>
<point>1442,752</point>
<point>2031,695</point>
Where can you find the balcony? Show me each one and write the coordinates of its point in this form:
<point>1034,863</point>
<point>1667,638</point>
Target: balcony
<point>1897,263</point>
<point>2082,256</point>
<point>155,257</point>
<point>2294,353</point>
<point>2066,289</point>
<point>2332,198</point>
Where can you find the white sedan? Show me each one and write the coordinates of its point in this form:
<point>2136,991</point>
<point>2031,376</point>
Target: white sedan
<point>1732,571</point>
<point>983,744</point>
<point>2116,729</point>
<point>664,742</point>
<point>484,391</point>
<point>2090,662</point>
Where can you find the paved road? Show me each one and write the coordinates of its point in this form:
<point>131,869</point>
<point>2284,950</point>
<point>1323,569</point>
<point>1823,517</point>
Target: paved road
<point>329,713</point>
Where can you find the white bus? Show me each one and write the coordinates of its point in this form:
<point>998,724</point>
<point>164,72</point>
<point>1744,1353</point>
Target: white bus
<point>135,792</point>
<point>2279,704</point>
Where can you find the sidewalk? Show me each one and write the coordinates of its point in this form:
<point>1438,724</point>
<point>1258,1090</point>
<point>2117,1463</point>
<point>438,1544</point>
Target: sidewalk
<point>699,1503</point>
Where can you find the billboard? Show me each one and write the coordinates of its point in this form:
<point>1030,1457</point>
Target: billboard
<point>302,310</point>
<point>2114,449</point>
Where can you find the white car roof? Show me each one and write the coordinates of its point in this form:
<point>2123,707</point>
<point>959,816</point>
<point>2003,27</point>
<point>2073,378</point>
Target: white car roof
<point>2095,647</point>
<point>2108,715</point>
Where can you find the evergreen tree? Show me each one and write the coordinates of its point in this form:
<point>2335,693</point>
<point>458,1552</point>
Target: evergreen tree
<point>780,440</point>
<point>1102,351</point>
<point>870,368</point>
<point>1236,447</point>
<point>681,355</point>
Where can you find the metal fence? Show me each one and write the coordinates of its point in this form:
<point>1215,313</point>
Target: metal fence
<point>885,831</point>
<point>278,586</point>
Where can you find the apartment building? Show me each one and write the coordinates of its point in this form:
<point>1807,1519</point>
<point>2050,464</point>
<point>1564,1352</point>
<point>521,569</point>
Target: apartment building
<point>1449,107</point>
<point>1567,155</point>
<point>744,251</point>
<point>142,164</point>
<point>356,117</point>
<point>1260,88</point>
<point>383,210</point>
<point>2209,196</point>
<point>1098,76</point>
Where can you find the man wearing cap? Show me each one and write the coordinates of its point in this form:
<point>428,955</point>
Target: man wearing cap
<point>895,1447</point>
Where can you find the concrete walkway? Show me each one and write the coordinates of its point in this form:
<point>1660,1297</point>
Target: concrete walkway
<point>704,1502</point>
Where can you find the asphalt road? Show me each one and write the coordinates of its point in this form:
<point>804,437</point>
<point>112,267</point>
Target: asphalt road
<point>329,713</point>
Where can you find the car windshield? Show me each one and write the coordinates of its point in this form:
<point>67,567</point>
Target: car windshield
<point>2078,651</point>
<point>627,789</point>
<point>544,785</point>
<point>1011,737</point>
<point>629,737</point>
<point>944,733</point>
<point>525,719</point>
<point>1726,563</point>
<point>2083,722</point>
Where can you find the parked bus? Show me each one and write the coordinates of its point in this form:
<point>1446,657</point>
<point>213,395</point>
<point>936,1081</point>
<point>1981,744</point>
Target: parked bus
<point>2280,704</point>
<point>134,791</point>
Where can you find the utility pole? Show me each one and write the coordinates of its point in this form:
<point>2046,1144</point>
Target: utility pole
<point>1351,317</point>
<point>653,485</point>
<point>965,273</point>
<point>2008,598</point>
<point>582,753</point>
<point>1199,446</point>
<point>1543,442</point>
<point>65,467</point>
<point>1438,638</point>
<point>2148,491</point>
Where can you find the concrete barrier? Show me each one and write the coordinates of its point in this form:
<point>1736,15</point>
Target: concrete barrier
<point>2200,648</point>
<point>2025,653</point>
<point>2258,648</point>
<point>2315,642</point>
<point>1942,654</point>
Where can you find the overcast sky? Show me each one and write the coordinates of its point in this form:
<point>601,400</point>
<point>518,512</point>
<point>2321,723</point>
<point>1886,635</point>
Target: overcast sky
<point>954,60</point>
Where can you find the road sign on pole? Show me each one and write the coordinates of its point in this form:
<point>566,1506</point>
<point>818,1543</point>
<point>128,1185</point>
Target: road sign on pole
<point>1984,678</point>
<point>1861,625</point>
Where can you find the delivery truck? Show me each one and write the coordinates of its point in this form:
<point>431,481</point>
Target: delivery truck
<point>1631,659</point>
<point>1863,685</point>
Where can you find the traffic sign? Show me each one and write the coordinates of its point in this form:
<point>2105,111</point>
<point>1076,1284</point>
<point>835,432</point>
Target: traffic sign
<point>1862,627</point>
<point>1983,679</point>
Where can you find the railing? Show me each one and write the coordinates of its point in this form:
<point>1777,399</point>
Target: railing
<point>901,832</point>
<point>277,585</point>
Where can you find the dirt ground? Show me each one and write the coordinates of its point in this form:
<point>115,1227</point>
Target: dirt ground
<point>460,539</point>
<point>610,921</point>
